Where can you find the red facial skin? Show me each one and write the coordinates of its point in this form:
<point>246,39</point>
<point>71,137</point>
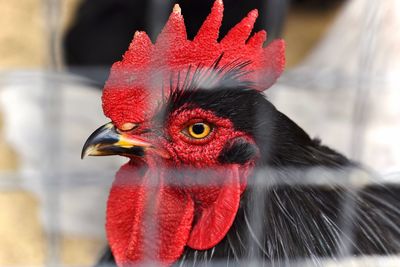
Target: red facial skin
<point>188,200</point>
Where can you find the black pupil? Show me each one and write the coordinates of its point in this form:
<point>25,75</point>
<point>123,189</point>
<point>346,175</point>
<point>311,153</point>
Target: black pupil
<point>198,128</point>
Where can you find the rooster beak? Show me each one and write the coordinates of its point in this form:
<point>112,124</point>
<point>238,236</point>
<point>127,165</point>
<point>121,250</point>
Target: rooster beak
<point>106,141</point>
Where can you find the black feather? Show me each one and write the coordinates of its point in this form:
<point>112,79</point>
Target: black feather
<point>239,151</point>
<point>285,215</point>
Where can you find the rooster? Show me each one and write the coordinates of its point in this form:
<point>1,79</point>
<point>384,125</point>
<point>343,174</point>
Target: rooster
<point>215,171</point>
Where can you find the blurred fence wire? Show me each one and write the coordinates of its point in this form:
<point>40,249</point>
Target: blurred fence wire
<point>345,91</point>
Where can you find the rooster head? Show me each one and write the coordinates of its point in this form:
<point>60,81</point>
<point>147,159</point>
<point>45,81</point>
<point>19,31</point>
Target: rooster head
<point>181,112</point>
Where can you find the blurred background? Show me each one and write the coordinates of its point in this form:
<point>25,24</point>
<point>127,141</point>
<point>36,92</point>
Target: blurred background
<point>341,84</point>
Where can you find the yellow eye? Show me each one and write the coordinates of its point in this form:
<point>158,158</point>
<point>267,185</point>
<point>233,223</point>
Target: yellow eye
<point>199,130</point>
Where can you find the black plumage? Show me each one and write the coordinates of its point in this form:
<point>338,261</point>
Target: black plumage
<point>303,202</point>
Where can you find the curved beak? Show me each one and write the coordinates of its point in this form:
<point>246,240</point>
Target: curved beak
<point>106,141</point>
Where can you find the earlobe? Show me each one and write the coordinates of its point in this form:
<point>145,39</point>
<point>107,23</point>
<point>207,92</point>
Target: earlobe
<point>239,151</point>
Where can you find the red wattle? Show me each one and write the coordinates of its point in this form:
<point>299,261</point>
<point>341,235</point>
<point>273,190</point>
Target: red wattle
<point>151,218</point>
<point>146,220</point>
<point>216,218</point>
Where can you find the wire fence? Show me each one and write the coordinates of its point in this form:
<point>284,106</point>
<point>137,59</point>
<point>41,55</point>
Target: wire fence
<point>340,101</point>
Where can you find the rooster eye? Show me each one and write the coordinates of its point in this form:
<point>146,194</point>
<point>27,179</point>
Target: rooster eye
<point>199,130</point>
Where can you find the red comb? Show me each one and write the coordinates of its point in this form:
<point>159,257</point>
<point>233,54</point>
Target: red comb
<point>146,66</point>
